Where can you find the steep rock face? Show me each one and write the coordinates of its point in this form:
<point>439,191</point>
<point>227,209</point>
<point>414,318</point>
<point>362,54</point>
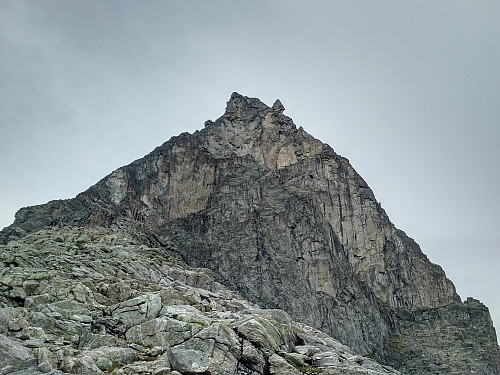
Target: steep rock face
<point>439,331</point>
<point>283,219</point>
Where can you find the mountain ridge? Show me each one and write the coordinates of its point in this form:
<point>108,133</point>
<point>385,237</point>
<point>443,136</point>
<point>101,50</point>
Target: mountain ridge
<point>288,223</point>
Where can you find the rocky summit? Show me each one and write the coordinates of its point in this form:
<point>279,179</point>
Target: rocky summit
<point>248,247</point>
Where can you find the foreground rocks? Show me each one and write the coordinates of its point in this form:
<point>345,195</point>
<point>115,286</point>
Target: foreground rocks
<point>95,301</point>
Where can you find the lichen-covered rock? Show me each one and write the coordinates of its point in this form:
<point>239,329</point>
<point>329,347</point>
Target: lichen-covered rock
<point>4,321</point>
<point>259,205</point>
<point>162,332</point>
<point>144,328</point>
<point>267,334</point>
<point>279,366</point>
<point>135,311</point>
<point>14,356</point>
<point>190,361</point>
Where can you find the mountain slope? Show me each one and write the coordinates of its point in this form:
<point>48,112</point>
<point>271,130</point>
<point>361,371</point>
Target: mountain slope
<point>96,301</point>
<point>289,224</point>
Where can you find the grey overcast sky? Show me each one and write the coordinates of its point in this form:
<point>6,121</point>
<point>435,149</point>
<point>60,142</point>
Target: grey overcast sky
<point>408,91</point>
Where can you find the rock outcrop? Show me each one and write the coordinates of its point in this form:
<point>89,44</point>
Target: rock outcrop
<point>280,218</point>
<point>96,301</point>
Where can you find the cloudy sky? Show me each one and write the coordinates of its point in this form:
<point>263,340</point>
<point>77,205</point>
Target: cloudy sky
<point>408,91</point>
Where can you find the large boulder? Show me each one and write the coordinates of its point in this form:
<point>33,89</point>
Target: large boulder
<point>14,356</point>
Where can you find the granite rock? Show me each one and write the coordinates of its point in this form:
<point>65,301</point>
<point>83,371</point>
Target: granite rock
<point>260,206</point>
<point>173,319</point>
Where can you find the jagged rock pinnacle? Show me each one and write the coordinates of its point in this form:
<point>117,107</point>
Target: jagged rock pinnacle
<point>278,107</point>
<point>244,108</point>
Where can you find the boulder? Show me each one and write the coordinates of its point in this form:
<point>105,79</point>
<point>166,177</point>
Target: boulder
<point>189,361</point>
<point>14,356</point>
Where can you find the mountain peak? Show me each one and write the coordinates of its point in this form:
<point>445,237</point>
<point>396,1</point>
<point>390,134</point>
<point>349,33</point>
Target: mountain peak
<point>278,106</point>
<point>244,108</point>
<point>250,127</point>
<point>277,216</point>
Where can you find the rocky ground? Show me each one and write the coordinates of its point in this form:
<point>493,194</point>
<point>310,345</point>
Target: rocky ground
<point>94,301</point>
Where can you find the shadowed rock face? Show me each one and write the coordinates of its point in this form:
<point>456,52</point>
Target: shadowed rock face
<point>288,223</point>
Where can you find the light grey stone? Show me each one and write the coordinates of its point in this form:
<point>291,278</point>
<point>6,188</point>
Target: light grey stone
<point>161,332</point>
<point>44,366</point>
<point>306,350</point>
<point>14,356</point>
<point>189,361</point>
<point>267,334</point>
<point>35,333</point>
<point>17,324</point>
<point>4,321</point>
<point>138,310</point>
<point>279,366</point>
<point>252,358</point>
<point>185,313</point>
